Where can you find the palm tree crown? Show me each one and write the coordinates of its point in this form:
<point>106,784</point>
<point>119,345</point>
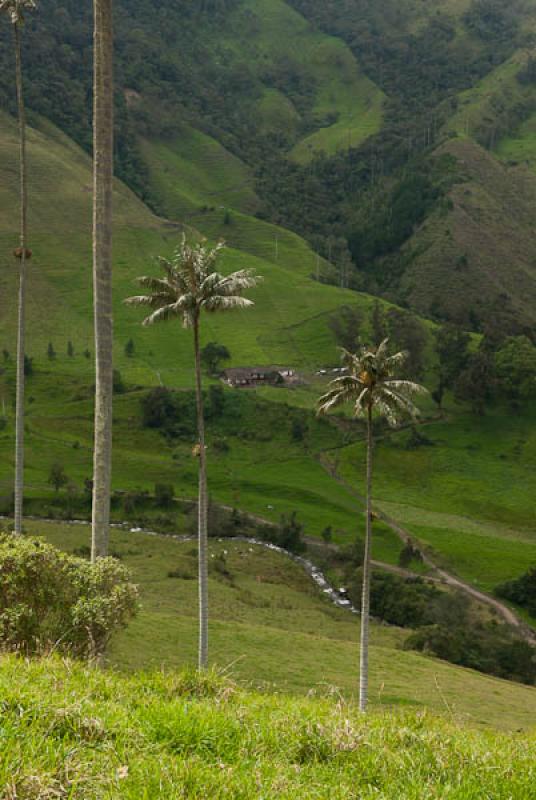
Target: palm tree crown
<point>191,285</point>
<point>16,8</point>
<point>369,383</point>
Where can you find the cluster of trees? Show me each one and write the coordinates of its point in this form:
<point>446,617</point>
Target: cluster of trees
<point>174,413</point>
<point>487,647</point>
<point>521,591</point>
<point>500,368</point>
<point>404,330</point>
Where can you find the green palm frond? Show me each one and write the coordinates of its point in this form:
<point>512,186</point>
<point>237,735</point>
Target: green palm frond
<point>222,303</point>
<point>191,284</point>
<point>407,386</point>
<point>16,9</point>
<point>153,300</point>
<point>371,384</point>
<point>161,314</point>
<point>156,284</point>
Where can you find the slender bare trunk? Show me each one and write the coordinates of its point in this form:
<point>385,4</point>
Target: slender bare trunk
<point>19,413</point>
<point>365,599</point>
<point>102,272</point>
<point>202,510</point>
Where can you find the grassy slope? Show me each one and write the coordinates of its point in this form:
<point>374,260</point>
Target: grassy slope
<point>288,325</point>
<point>60,271</point>
<point>492,99</point>
<point>520,146</point>
<point>271,628</point>
<point>87,734</point>
<point>192,170</point>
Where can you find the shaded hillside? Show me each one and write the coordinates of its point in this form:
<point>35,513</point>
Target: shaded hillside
<point>474,257</point>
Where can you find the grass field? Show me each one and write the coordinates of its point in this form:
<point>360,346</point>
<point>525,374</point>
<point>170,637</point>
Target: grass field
<point>78,732</point>
<point>271,628</point>
<point>520,146</point>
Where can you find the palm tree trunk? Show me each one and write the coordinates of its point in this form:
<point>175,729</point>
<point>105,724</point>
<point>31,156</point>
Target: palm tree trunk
<point>102,272</point>
<point>365,599</point>
<point>202,510</point>
<point>19,413</point>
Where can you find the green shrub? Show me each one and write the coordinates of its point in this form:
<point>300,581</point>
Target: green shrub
<point>489,648</point>
<point>164,494</point>
<point>521,591</point>
<point>50,600</point>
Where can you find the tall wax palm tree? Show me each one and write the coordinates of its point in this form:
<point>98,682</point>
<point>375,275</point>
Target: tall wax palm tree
<point>15,10</point>
<point>103,104</point>
<point>370,384</point>
<point>190,286</point>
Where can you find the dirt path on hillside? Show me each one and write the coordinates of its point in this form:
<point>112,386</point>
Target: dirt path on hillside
<point>507,614</point>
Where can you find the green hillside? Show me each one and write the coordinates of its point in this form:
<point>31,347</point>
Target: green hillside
<point>345,107</point>
<point>309,114</point>
<point>469,498</point>
<point>72,729</point>
<point>288,326</point>
<point>271,473</point>
<point>60,270</point>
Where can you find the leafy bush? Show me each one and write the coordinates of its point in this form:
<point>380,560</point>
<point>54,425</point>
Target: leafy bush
<point>288,534</point>
<point>521,591</point>
<point>164,494</point>
<point>212,355</point>
<point>406,602</point>
<point>408,554</point>
<point>52,600</point>
<point>489,648</point>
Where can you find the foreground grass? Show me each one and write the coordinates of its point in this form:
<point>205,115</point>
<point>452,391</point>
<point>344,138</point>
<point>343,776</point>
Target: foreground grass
<point>272,629</point>
<point>78,732</point>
